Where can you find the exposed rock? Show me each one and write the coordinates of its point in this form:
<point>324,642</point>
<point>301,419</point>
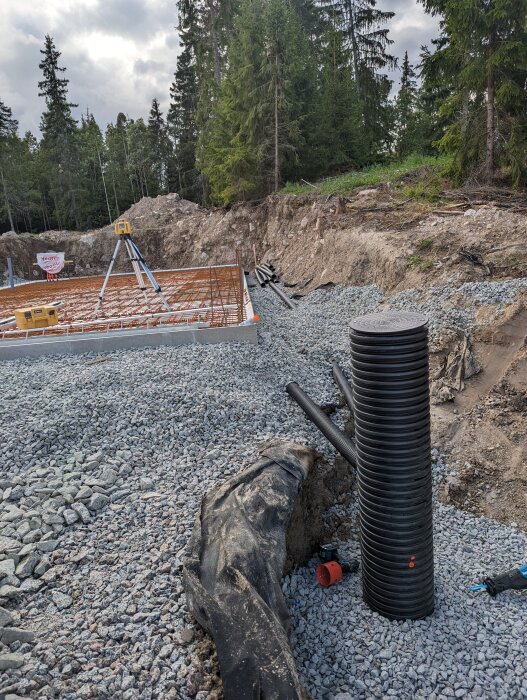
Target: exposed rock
<point>8,661</point>
<point>6,618</point>
<point>26,566</point>
<point>61,600</point>
<point>16,634</point>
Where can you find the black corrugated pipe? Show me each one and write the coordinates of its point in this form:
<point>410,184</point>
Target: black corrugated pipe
<point>282,296</point>
<point>317,416</point>
<point>343,384</point>
<point>391,403</point>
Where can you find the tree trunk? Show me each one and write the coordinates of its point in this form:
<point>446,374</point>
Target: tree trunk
<point>214,42</point>
<point>8,206</point>
<point>491,128</point>
<point>117,210</point>
<point>354,46</point>
<point>276,152</point>
<point>104,185</point>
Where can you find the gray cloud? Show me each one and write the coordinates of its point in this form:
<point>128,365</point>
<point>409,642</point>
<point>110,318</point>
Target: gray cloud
<point>120,54</point>
<point>123,18</point>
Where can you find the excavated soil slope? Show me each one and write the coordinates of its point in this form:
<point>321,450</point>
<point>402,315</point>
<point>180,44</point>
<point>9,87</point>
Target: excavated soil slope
<point>313,240</point>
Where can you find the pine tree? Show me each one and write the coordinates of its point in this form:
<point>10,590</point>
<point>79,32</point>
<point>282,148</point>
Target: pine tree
<point>59,148</point>
<point>181,119</point>
<point>486,41</point>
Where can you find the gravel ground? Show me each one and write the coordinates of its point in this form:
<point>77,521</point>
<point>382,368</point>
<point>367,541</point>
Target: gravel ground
<point>103,467</point>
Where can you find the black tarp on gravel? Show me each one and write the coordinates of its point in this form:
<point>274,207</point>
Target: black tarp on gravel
<point>232,575</point>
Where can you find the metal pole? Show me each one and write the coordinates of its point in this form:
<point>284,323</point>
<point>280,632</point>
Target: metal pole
<point>135,266</point>
<point>112,263</point>
<point>155,285</point>
<point>242,285</point>
<point>10,272</point>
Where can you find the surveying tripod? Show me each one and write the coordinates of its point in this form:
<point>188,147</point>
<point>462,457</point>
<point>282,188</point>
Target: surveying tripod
<point>123,229</point>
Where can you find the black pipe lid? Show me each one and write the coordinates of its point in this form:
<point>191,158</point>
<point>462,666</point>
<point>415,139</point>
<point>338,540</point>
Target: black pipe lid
<point>389,322</point>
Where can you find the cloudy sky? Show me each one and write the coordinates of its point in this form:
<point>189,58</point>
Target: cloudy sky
<point>119,54</point>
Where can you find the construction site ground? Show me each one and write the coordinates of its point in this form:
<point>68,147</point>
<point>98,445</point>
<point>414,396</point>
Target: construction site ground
<point>127,444</point>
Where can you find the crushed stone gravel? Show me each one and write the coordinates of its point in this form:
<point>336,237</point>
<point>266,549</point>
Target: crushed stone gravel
<point>102,472</point>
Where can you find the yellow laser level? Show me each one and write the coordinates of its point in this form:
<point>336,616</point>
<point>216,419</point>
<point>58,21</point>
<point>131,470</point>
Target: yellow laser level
<point>36,317</point>
<point>123,227</point>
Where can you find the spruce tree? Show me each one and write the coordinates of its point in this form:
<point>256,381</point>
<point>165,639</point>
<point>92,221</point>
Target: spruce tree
<point>367,41</point>
<point>339,142</point>
<point>59,148</point>
<point>485,53</point>
<point>409,122</point>
<point>181,118</point>
<point>8,132</point>
<point>255,138</point>
<point>120,179</point>
<point>160,148</point>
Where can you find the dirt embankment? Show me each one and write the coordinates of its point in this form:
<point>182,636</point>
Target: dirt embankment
<point>370,238</point>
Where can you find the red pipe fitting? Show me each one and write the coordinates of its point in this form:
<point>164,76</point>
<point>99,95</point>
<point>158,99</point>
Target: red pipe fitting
<point>329,573</point>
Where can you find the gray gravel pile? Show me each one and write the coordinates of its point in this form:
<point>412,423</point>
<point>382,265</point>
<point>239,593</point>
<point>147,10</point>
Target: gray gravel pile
<point>104,464</point>
<point>455,307</point>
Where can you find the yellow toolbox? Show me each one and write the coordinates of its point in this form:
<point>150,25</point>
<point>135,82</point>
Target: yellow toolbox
<point>36,317</point>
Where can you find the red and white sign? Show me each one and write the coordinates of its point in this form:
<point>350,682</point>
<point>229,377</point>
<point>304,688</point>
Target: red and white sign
<point>52,263</point>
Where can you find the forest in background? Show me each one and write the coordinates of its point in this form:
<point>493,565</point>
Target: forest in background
<point>267,92</point>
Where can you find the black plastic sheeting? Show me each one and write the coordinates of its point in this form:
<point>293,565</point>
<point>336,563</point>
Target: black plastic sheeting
<point>233,572</point>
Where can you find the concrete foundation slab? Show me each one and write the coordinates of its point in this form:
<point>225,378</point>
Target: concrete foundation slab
<point>77,343</point>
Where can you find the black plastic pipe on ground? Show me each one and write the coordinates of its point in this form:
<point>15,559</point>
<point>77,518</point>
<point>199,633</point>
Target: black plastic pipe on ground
<point>317,416</point>
<point>266,273</point>
<point>392,437</point>
<point>343,384</point>
<point>259,277</point>
<point>287,301</point>
<point>268,270</point>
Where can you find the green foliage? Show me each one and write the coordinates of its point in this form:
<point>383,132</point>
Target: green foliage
<point>337,138</point>
<point>425,243</point>
<point>373,175</point>
<point>93,208</point>
<point>482,56</point>
<point>416,262</point>
<point>255,136</point>
<point>183,176</point>
<point>411,118</point>
<point>366,39</point>
<point>59,148</point>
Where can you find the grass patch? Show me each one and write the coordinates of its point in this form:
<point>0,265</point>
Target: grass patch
<point>374,175</point>
<point>425,243</point>
<point>417,262</point>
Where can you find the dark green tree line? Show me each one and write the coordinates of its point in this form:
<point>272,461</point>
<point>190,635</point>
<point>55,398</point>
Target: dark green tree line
<point>483,57</point>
